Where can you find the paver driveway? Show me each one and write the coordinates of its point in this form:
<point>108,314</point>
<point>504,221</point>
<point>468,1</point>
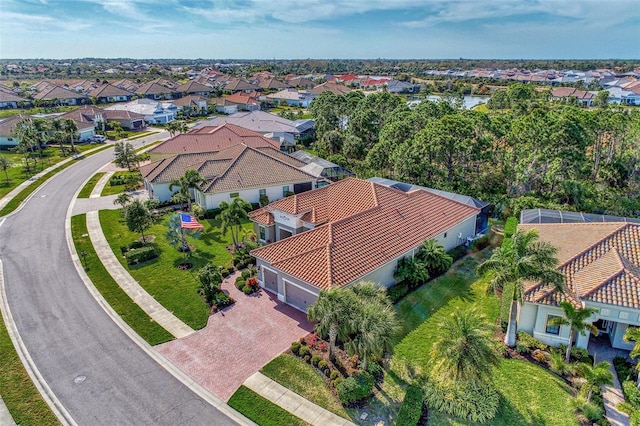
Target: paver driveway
<point>238,341</point>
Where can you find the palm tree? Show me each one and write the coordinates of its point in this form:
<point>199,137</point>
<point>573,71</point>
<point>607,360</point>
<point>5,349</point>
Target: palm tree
<point>375,326</point>
<point>191,179</point>
<point>231,217</point>
<point>434,257</point>
<point>576,319</point>
<point>411,270</point>
<point>526,259</point>
<point>58,132</point>
<point>597,375</point>
<point>70,129</point>
<point>331,311</point>
<point>123,199</point>
<point>633,335</point>
<point>465,349</point>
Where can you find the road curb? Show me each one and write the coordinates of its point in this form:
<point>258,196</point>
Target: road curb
<point>38,380</point>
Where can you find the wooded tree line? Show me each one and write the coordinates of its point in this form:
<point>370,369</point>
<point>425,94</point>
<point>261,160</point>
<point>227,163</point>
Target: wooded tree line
<point>530,154</point>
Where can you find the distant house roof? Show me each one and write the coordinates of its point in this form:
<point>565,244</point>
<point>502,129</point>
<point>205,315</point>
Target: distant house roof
<point>7,95</point>
<point>57,92</point>
<point>153,88</point>
<point>235,168</point>
<point>235,84</point>
<point>359,226</point>
<point>565,92</point>
<point>189,100</point>
<point>272,84</point>
<point>108,90</point>
<point>193,87</point>
<point>243,98</point>
<point>338,89</point>
<point>213,140</point>
<point>317,166</point>
<point>529,216</point>
<point>600,263</point>
<point>263,122</point>
<point>291,95</point>
<point>142,106</point>
<point>8,125</point>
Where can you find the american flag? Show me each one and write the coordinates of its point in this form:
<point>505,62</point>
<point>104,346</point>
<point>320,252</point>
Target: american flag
<point>188,221</point>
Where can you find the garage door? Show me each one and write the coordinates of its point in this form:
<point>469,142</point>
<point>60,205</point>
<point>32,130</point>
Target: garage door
<point>270,280</point>
<point>298,297</point>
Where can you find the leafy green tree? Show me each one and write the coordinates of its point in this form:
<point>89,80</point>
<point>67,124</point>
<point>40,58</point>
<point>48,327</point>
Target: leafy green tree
<point>70,130</point>
<point>602,99</point>
<point>210,279</point>
<point>434,257</point>
<point>117,129</point>
<point>125,155</point>
<point>123,199</point>
<point>188,182</point>
<point>138,217</point>
<point>465,350</point>
<point>231,217</point>
<point>578,320</point>
<point>58,133</point>
<point>26,134</point>
<point>595,375</point>
<point>527,259</point>
<point>332,311</point>
<point>5,165</point>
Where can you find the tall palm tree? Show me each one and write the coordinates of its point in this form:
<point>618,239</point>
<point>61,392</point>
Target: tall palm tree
<point>70,129</point>
<point>576,319</point>
<point>191,179</point>
<point>465,349</point>
<point>597,375</point>
<point>231,217</point>
<point>411,270</point>
<point>371,291</point>
<point>526,259</point>
<point>58,132</point>
<point>633,335</point>
<point>434,257</point>
<point>331,311</point>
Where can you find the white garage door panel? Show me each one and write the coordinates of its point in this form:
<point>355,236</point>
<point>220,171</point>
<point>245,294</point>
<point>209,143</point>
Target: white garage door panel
<point>298,297</point>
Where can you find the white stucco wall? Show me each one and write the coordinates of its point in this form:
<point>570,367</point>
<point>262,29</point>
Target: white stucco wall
<point>161,192</point>
<point>250,195</point>
<point>539,329</point>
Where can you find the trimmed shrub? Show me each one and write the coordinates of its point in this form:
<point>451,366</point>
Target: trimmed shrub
<point>246,274</point>
<point>631,393</point>
<point>336,382</point>
<point>356,388</point>
<point>510,226</point>
<point>322,365</point>
<point>295,347</point>
<point>140,255</point>
<point>457,253</point>
<point>136,244</point>
<point>398,291</point>
<point>315,360</point>
<point>254,271</point>
<point>211,214</point>
<point>334,375</point>
<point>411,408</point>
<point>481,243</point>
<point>531,342</point>
<point>474,404</point>
<point>304,351</point>
<point>222,299</point>
<point>624,369</point>
<point>376,371</point>
<point>229,267</point>
<point>224,272</point>
<point>240,283</point>
<point>307,359</point>
<point>247,289</point>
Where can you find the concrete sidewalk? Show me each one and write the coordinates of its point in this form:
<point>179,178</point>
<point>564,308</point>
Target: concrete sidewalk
<point>143,299</point>
<point>601,350</point>
<point>97,190</point>
<point>85,205</point>
<point>5,415</point>
<point>292,402</point>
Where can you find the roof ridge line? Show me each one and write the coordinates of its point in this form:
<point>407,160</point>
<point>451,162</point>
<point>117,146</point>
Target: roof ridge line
<point>586,250</point>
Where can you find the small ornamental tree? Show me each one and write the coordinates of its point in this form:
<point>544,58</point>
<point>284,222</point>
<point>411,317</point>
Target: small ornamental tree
<point>210,280</point>
<point>138,217</point>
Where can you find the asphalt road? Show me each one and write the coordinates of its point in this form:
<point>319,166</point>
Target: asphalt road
<point>69,336</point>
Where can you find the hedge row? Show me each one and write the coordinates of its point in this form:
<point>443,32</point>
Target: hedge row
<point>411,408</point>
<point>140,255</point>
<point>510,227</point>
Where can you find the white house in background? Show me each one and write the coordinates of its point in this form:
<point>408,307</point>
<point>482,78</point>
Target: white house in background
<point>7,129</point>
<point>154,112</point>
<point>236,171</point>
<point>292,97</point>
<point>349,231</point>
<point>618,95</point>
<point>601,265</point>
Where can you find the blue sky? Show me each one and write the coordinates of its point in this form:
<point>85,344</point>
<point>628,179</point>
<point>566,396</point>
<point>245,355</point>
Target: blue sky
<point>286,29</point>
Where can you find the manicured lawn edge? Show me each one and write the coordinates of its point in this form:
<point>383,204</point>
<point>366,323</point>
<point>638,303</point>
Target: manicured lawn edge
<point>19,393</point>
<point>142,135</point>
<point>18,199</point>
<point>126,308</point>
<point>301,378</point>
<point>86,190</point>
<point>261,410</point>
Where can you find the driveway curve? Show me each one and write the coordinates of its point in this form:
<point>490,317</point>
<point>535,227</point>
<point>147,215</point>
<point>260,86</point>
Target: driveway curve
<point>98,374</point>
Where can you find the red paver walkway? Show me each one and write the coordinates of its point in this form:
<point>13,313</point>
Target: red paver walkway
<point>238,341</point>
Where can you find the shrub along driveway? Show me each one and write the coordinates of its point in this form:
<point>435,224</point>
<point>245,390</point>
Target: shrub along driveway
<point>238,341</point>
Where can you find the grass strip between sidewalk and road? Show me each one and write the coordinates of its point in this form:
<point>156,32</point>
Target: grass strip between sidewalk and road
<point>19,393</point>
<point>142,135</point>
<point>261,410</point>
<point>86,190</point>
<point>124,306</point>
<point>22,195</point>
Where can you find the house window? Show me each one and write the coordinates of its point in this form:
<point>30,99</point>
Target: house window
<point>234,194</point>
<point>285,190</point>
<point>550,328</point>
<point>263,233</point>
<point>263,192</point>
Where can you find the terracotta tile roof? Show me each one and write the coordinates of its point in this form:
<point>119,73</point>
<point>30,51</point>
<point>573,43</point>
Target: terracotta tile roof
<point>189,100</point>
<point>600,262</point>
<point>107,90</point>
<point>7,95</point>
<point>327,204</point>
<point>153,88</point>
<point>8,125</point>
<point>56,92</point>
<point>213,140</point>
<point>371,231</point>
<point>338,89</point>
<point>193,87</point>
<point>167,169</point>
<point>243,98</point>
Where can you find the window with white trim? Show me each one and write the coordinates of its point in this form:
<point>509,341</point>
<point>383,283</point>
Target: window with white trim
<point>552,328</point>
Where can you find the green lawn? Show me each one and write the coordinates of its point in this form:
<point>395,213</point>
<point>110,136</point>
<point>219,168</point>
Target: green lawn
<point>261,410</point>
<point>173,288</point>
<point>530,395</point>
<point>16,388</point>
<point>115,189</point>
<point>126,308</point>
<point>300,377</point>
<point>85,192</point>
